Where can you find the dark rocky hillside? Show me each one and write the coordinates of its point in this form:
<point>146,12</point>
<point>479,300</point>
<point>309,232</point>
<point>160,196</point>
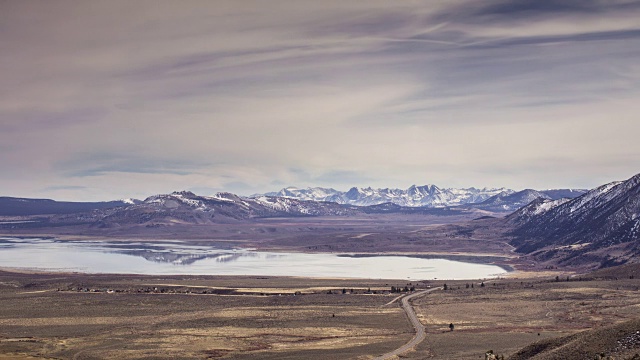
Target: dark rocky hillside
<point>602,224</point>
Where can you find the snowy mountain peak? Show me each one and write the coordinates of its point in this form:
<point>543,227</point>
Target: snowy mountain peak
<point>353,194</point>
<point>317,193</point>
<point>415,196</point>
<point>428,195</point>
<point>185,193</point>
<point>130,201</point>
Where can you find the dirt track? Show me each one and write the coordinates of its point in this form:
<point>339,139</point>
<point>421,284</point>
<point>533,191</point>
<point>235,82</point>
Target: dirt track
<point>417,325</point>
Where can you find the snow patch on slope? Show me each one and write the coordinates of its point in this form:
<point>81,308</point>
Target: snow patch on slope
<point>586,198</point>
<point>547,205</point>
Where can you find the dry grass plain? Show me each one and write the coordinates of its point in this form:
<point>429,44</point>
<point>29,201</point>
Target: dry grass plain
<point>261,319</point>
<point>512,314</point>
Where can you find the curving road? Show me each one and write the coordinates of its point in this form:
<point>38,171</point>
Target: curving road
<point>420,332</point>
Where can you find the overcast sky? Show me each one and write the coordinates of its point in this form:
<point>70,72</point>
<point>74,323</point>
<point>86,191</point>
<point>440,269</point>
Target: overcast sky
<point>110,99</point>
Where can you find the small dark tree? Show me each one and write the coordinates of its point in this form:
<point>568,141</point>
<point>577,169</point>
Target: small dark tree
<point>482,284</point>
<point>445,287</point>
<point>344,291</point>
<point>451,327</point>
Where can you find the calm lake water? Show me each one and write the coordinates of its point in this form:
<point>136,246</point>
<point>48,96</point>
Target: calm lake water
<point>179,258</point>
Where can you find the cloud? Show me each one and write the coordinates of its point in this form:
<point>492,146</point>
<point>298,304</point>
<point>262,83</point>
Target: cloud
<point>63,187</point>
<point>134,98</point>
<point>98,164</point>
<point>536,8</point>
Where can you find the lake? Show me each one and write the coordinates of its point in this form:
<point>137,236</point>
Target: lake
<point>181,258</point>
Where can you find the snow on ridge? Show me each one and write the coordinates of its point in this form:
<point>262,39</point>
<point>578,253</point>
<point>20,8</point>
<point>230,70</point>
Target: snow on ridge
<point>590,195</point>
<point>186,200</point>
<point>217,196</point>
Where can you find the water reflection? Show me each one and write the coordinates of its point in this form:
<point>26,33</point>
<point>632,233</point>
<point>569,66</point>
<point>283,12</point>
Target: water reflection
<point>175,257</point>
<point>168,252</point>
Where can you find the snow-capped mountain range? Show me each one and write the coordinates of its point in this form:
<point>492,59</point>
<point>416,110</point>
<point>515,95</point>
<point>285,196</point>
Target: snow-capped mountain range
<point>430,196</point>
<point>414,196</point>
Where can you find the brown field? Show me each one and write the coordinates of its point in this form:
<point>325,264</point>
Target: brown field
<point>512,314</point>
<point>262,318</point>
<point>73,316</point>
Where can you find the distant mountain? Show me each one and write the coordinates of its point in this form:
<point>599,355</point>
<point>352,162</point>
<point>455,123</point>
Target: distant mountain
<point>10,206</point>
<point>429,196</point>
<point>185,207</point>
<point>415,196</point>
<point>556,194</point>
<point>602,224</point>
<point>506,201</point>
<point>313,194</point>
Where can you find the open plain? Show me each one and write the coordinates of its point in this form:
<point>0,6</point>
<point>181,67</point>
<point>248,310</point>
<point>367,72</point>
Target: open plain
<point>80,316</point>
<point>102,316</point>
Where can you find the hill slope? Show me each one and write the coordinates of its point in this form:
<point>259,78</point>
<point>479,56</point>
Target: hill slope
<point>602,223</point>
<point>621,341</point>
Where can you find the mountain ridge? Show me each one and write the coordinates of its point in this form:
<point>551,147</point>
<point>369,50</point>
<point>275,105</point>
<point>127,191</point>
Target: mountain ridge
<point>414,196</point>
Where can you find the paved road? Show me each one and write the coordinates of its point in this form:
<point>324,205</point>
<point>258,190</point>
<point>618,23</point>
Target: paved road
<point>420,332</point>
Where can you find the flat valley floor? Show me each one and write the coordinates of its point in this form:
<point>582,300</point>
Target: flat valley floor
<point>74,316</point>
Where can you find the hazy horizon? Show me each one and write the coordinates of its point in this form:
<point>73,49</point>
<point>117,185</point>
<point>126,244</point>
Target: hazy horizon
<point>302,188</point>
<point>117,99</point>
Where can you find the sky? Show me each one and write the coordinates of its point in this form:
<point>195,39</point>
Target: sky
<point>111,99</point>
